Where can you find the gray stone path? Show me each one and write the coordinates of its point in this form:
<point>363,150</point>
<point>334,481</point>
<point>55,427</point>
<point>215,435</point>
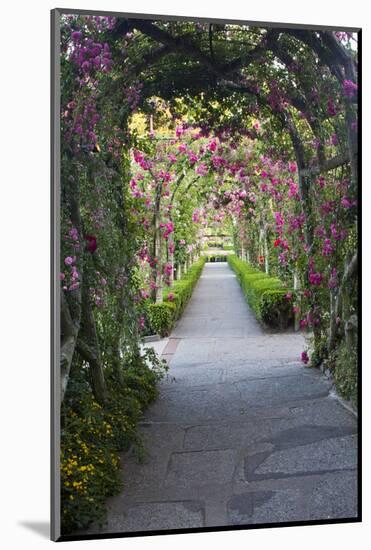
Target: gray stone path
<point>244,434</point>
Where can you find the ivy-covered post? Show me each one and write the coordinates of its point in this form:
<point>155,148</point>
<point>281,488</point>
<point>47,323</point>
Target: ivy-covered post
<point>266,251</point>
<point>296,286</point>
<point>171,260</point>
<point>157,248</point>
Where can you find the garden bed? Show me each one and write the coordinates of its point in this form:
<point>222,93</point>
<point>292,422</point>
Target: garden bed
<point>161,317</point>
<point>267,296</point>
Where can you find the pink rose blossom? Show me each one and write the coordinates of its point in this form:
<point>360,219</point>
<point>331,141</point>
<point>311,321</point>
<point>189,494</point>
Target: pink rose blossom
<point>304,357</point>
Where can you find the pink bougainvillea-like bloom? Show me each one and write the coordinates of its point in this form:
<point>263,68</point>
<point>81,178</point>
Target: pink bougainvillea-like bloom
<point>288,296</point>
<point>327,247</point>
<point>76,36</point>
<point>201,169</point>
<point>73,233</point>
<point>304,357</point>
<point>350,88</point>
<point>170,296</point>
<point>315,278</point>
<point>331,110</point>
<point>212,146</point>
<point>68,260</point>
<point>75,274</point>
<point>179,131</point>
<point>168,268</point>
<point>172,157</point>
<point>303,323</point>
<point>144,294</point>
<point>292,167</point>
<point>282,258</point>
<point>347,203</point>
<point>321,181</point>
<point>92,243</point>
<point>196,216</point>
<point>74,286</point>
<point>279,219</point>
<point>169,228</point>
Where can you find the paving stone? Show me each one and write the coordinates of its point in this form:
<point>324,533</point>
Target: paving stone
<point>157,516</point>
<point>280,433</point>
<point>256,507</point>
<point>200,467</point>
<point>197,405</point>
<point>334,496</point>
<point>326,455</point>
<point>194,376</point>
<point>281,390</point>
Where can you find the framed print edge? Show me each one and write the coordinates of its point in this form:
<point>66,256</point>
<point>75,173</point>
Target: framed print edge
<point>55,523</point>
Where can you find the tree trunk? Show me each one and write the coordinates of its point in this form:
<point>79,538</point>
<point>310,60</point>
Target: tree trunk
<point>70,331</point>
<point>261,241</point>
<point>266,252</point>
<point>298,313</point>
<point>333,325</point>
<point>342,309</point>
<point>351,328</point>
<point>71,310</point>
<point>157,253</point>
<point>88,347</point>
<point>171,261</point>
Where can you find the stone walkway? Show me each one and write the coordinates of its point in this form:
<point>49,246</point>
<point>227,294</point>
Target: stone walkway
<point>244,434</point>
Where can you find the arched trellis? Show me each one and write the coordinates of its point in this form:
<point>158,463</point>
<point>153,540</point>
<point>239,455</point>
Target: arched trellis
<point>227,75</point>
<point>227,78</point>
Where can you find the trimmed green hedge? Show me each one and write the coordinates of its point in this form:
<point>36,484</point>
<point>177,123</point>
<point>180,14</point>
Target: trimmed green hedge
<point>216,257</point>
<point>215,244</point>
<point>266,295</point>
<point>161,317</point>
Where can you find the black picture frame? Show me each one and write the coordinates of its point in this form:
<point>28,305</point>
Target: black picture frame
<point>55,262</point>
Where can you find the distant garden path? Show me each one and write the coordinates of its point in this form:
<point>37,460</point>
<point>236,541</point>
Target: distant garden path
<point>245,434</point>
